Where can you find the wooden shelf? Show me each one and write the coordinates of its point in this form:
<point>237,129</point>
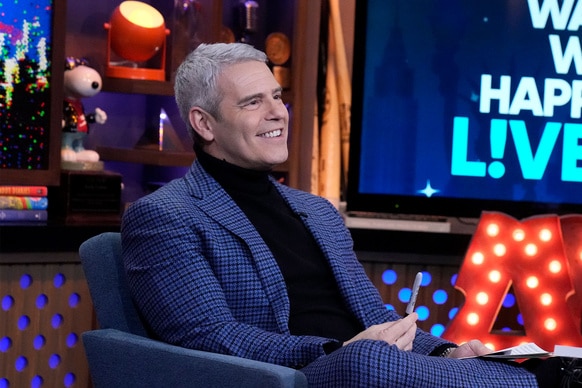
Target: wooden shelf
<point>156,158</point>
<point>145,156</point>
<point>158,88</point>
<point>133,86</point>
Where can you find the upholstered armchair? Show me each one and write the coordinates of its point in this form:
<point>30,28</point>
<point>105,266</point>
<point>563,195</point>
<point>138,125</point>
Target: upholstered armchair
<point>121,354</point>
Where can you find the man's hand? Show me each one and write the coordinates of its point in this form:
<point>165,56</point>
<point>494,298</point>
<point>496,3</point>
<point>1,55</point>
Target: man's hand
<point>472,348</point>
<point>400,333</point>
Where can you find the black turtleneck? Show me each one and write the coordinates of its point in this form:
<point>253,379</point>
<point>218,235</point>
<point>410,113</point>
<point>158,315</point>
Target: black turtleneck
<point>317,307</point>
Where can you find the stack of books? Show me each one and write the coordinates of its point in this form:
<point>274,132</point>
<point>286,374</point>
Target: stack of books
<point>23,204</point>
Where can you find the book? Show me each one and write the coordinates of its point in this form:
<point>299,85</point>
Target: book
<point>567,351</point>
<point>33,191</point>
<point>527,350</point>
<point>23,202</point>
<point>13,215</point>
<point>531,350</point>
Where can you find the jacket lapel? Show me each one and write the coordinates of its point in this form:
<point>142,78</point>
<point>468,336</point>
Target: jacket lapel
<point>218,205</point>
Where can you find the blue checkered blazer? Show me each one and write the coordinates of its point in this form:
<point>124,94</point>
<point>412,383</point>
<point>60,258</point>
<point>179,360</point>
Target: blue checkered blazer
<point>203,278</point>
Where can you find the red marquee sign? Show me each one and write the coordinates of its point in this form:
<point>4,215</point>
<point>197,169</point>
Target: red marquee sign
<point>541,258</point>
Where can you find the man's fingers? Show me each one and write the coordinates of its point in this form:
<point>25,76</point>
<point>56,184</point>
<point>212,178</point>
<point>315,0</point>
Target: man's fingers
<point>404,328</point>
<point>406,340</point>
<point>411,317</point>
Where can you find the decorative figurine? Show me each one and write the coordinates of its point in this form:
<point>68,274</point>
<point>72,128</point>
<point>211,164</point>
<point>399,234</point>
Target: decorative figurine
<point>80,81</point>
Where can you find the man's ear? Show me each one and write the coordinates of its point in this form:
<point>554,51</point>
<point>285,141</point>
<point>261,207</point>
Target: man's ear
<point>202,122</point>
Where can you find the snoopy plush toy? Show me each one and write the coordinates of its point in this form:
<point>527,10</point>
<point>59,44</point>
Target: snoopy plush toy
<point>80,81</point>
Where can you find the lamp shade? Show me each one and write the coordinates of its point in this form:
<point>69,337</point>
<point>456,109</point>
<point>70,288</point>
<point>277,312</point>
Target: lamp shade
<point>137,31</point>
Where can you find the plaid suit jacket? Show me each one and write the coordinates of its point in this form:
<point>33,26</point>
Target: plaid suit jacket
<point>203,278</point>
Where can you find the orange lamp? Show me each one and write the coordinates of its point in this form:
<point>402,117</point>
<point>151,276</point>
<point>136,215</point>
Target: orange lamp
<point>136,33</point>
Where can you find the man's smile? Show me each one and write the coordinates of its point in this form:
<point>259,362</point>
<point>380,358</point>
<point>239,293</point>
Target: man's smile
<point>275,133</point>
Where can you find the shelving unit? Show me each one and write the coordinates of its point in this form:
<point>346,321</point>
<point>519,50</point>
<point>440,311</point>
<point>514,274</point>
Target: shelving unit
<point>145,156</point>
<point>156,158</point>
<point>88,40</point>
<point>121,85</point>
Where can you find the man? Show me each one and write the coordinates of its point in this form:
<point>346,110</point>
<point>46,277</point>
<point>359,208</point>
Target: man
<point>227,260</point>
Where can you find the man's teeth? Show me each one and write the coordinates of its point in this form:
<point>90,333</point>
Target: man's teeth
<point>272,134</point>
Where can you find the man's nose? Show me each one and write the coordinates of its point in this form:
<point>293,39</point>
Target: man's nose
<point>277,108</point>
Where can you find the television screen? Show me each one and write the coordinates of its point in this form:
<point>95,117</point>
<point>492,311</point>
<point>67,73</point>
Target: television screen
<point>30,101</point>
<point>464,106</point>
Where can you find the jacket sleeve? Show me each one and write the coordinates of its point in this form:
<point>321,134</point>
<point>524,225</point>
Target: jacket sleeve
<point>176,288</point>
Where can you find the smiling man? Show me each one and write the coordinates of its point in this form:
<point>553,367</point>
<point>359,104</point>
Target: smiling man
<point>227,260</point>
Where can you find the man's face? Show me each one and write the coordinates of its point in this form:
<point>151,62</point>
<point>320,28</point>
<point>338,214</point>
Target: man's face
<point>252,132</point>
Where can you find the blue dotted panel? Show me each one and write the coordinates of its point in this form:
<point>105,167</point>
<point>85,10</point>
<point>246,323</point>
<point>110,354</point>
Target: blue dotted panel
<point>36,382</point>
<point>404,294</point>
<point>426,279</point>
<point>25,281</point>
<point>22,311</point>
<point>41,301</point>
<point>21,363</point>
<point>437,329</point>
<point>23,322</point>
<point>423,313</point>
<point>39,342</point>
<point>69,379</point>
<point>72,340</point>
<point>509,301</point>
<point>74,299</point>
<point>59,280</point>
<point>440,296</point>
<point>54,361</point>
<point>389,277</point>
<point>5,344</point>
<point>57,321</point>
<point>7,302</point>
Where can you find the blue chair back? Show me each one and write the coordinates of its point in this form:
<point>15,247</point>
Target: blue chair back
<point>101,260</point>
<point>120,355</point>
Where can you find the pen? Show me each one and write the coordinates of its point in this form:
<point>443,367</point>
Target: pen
<point>414,294</point>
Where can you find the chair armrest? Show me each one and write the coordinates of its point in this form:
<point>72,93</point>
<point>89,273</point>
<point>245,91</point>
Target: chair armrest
<point>120,359</point>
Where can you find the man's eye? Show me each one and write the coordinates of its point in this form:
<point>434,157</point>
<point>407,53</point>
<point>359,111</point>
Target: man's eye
<point>252,104</point>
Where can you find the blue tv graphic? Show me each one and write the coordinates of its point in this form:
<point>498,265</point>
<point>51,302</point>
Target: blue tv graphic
<point>473,99</point>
